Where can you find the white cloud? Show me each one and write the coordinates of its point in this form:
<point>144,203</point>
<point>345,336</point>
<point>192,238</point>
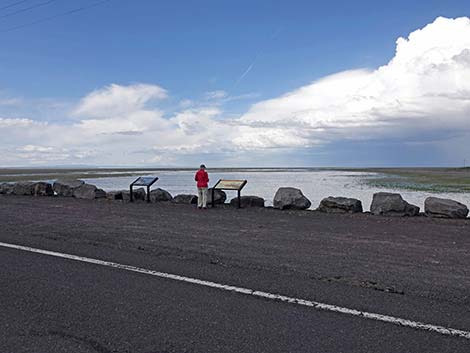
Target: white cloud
<point>425,86</point>
<point>132,122</point>
<point>250,138</point>
<point>15,123</point>
<point>118,100</point>
<point>423,93</point>
<point>33,148</point>
<point>196,121</point>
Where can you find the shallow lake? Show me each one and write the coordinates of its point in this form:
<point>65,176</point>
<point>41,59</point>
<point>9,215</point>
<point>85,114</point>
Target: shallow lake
<point>315,184</point>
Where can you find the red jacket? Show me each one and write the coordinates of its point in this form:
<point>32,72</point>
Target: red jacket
<point>202,178</point>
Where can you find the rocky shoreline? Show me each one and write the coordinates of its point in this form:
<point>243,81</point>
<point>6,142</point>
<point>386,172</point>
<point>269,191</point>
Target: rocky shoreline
<point>286,198</point>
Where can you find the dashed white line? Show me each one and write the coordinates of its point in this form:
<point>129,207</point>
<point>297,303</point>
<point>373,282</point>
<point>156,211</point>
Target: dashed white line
<point>246,291</point>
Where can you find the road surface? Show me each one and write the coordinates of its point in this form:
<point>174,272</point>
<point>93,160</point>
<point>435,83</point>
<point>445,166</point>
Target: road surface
<point>121,291</point>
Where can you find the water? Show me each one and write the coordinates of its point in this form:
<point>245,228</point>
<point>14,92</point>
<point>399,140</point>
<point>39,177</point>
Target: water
<point>315,185</point>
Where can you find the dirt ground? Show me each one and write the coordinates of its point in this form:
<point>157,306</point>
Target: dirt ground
<point>413,256</point>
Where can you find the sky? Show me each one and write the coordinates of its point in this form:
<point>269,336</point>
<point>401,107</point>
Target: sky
<point>234,83</point>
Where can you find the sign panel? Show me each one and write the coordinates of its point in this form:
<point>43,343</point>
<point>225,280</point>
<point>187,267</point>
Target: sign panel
<point>145,181</point>
<point>230,184</point>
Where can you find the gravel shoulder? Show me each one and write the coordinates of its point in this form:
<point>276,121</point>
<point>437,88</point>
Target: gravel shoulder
<point>406,256</point>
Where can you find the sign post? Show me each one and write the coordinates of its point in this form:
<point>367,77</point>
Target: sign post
<point>225,184</point>
<point>143,181</point>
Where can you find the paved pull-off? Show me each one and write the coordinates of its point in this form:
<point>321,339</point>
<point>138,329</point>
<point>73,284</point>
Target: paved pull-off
<point>256,293</point>
<point>81,276</point>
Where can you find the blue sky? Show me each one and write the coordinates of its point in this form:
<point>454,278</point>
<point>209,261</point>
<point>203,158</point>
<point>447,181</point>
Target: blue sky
<point>239,53</point>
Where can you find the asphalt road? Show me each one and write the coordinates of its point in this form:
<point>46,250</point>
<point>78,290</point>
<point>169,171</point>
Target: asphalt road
<point>417,269</point>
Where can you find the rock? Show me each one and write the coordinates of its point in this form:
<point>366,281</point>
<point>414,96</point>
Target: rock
<point>64,187</point>
<point>248,201</point>
<point>139,194</point>
<point>114,195</point>
<point>185,198</point>
<point>219,196</point>
<point>389,204</point>
<point>159,195</point>
<point>23,188</point>
<point>6,188</point>
<point>340,205</point>
<point>42,189</point>
<point>88,192</point>
<point>290,198</point>
<point>444,208</point>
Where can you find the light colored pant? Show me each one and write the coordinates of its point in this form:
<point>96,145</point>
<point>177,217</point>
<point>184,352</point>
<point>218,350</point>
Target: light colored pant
<point>202,197</point>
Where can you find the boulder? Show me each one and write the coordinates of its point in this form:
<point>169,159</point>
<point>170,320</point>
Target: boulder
<point>290,199</point>
<point>6,188</point>
<point>444,208</point>
<point>186,199</point>
<point>139,194</point>
<point>64,187</point>
<point>219,196</point>
<point>340,205</point>
<point>159,195</point>
<point>114,195</point>
<point>88,192</point>
<point>42,189</point>
<point>390,204</point>
<point>248,201</point>
<point>23,188</point>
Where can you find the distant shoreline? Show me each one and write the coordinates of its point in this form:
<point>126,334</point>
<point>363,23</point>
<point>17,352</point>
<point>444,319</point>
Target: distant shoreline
<point>26,174</point>
<point>421,179</point>
<point>432,179</point>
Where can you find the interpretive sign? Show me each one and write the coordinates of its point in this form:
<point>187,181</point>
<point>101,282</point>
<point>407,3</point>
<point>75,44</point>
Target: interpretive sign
<point>146,181</point>
<point>230,184</point>
<point>226,184</point>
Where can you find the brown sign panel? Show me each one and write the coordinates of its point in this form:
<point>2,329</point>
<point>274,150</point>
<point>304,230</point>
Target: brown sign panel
<point>230,184</point>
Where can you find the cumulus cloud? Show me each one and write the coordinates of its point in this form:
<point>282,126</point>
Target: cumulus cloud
<point>421,95</point>
<point>425,86</point>
<point>33,148</point>
<point>118,100</point>
<point>196,121</point>
<point>135,133</point>
<point>16,123</point>
<point>133,122</point>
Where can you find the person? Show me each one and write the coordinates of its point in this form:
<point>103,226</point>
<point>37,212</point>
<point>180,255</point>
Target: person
<point>202,179</point>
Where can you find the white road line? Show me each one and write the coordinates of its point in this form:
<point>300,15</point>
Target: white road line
<point>276,297</point>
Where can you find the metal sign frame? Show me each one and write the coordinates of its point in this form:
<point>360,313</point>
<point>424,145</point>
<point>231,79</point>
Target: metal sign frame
<point>140,182</point>
<point>239,189</point>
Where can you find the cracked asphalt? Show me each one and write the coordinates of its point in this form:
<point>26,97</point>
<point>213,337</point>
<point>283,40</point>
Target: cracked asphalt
<point>413,268</point>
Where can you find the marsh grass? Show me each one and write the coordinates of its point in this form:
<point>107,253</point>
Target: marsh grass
<point>422,179</point>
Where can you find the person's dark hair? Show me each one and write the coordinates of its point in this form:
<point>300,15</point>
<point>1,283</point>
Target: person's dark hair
<point>202,166</point>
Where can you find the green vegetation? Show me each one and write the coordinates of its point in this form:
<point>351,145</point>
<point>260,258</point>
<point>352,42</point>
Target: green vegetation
<point>422,179</point>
